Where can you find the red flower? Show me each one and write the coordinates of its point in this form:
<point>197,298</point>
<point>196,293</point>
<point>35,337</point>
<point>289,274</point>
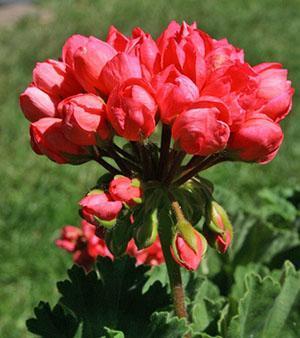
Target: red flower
<point>37,104</point>
<point>275,90</point>
<point>174,92</point>
<point>257,140</point>
<point>83,243</point>
<point>200,131</point>
<point>48,139</point>
<point>84,119</point>
<point>56,79</point>
<point>124,189</point>
<point>151,255</point>
<point>89,60</point>
<point>119,69</point>
<point>71,46</point>
<point>99,206</point>
<point>131,109</point>
<point>185,47</point>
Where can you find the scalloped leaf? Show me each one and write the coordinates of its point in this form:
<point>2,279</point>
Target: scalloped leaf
<point>48,323</point>
<point>269,308</point>
<point>164,325</point>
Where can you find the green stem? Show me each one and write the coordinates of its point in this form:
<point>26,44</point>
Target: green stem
<point>173,272</point>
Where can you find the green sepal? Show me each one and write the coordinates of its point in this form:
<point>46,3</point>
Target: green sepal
<point>188,233</point>
<point>95,192</point>
<point>106,224</point>
<point>146,234</point>
<point>118,237</point>
<point>136,183</point>
<point>225,219</point>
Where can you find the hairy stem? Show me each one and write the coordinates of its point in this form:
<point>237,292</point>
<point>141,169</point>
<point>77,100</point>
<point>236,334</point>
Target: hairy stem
<point>173,273</point>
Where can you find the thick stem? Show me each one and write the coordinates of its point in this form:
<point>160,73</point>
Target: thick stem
<point>164,151</point>
<point>173,273</point>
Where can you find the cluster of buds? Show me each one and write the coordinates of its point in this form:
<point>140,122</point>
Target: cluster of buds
<point>107,100</point>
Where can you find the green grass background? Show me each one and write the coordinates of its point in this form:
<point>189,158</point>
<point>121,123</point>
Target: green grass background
<point>38,197</point>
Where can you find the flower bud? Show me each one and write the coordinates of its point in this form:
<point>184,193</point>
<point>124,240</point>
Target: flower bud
<point>48,139</point>
<point>70,47</point>
<point>200,131</point>
<point>147,232</point>
<point>126,190</point>
<point>89,60</point>
<point>220,230</point>
<point>174,92</point>
<point>188,251</point>
<point>37,104</point>
<point>55,78</point>
<point>99,208</point>
<point>84,119</point>
<point>131,110</point>
<point>119,69</point>
<point>257,140</point>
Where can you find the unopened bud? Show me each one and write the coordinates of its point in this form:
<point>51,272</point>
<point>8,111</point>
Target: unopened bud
<point>186,255</point>
<point>147,233</point>
<point>219,230</point>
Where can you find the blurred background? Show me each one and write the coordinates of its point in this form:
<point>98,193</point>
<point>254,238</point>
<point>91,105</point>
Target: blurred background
<point>38,196</point>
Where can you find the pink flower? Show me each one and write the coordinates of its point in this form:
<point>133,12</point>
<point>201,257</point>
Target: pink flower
<point>151,255</point>
<point>222,55</point>
<point>237,87</point>
<point>37,104</point>
<point>89,60</point>
<point>70,47</point>
<point>131,109</point>
<point>117,39</point>
<point>145,48</point>
<point>119,69</point>
<point>257,140</point>
<point>84,119</point>
<point>174,92</point>
<point>185,47</point>
<point>83,243</point>
<point>99,206</point>
<point>200,131</point>
<point>126,190</point>
<point>48,139</point>
<point>56,79</point>
<point>185,255</point>
<point>275,90</point>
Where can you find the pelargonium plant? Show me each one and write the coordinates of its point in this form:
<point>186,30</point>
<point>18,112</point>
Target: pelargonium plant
<point>154,114</point>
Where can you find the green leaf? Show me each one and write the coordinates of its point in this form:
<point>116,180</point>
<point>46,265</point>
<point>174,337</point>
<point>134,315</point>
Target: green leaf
<point>49,323</point>
<point>163,325</point>
<point>205,302</point>
<point>113,333</point>
<point>270,306</point>
<point>111,297</point>
<point>157,274</point>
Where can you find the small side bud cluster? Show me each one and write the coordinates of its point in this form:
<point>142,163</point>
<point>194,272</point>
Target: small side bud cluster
<point>101,207</point>
<point>219,230</point>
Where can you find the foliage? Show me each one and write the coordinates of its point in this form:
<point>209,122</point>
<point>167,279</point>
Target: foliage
<point>266,29</point>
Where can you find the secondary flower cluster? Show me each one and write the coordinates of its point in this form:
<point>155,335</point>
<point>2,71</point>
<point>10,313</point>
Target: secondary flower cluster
<point>200,87</point>
<point>86,244</point>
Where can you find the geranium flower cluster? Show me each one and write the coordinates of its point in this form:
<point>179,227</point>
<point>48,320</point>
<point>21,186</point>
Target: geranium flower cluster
<point>107,101</point>
<point>200,87</point>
